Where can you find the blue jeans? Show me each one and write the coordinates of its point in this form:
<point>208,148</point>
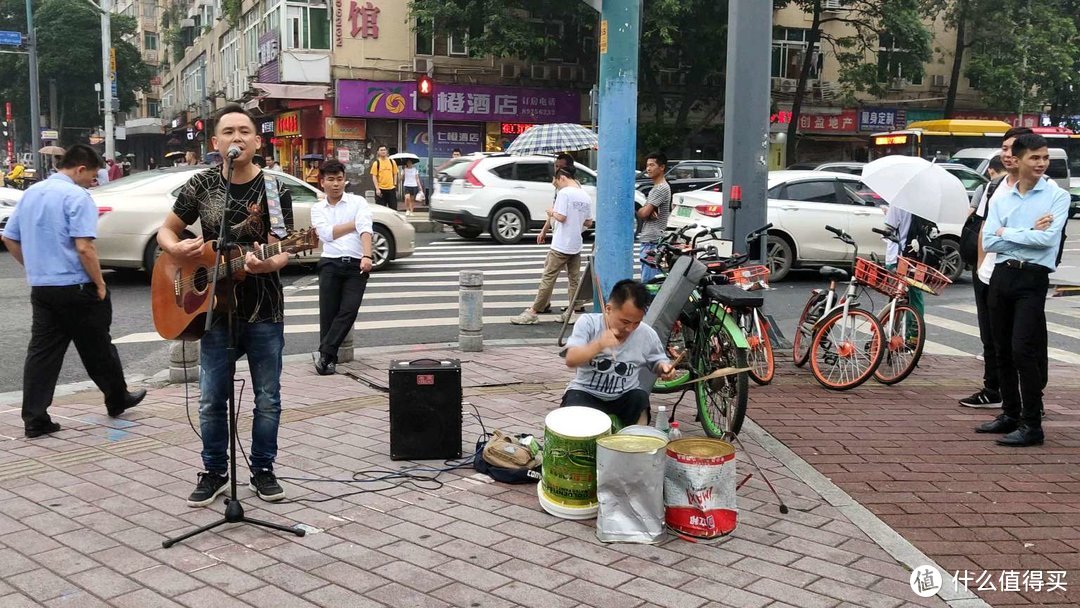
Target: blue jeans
<point>263,344</point>
<point>648,273</point>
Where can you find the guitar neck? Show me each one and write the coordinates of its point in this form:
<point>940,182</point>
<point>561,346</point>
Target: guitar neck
<point>262,252</point>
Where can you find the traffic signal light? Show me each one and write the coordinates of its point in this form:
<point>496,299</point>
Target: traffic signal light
<point>199,125</point>
<point>425,93</point>
<point>5,123</point>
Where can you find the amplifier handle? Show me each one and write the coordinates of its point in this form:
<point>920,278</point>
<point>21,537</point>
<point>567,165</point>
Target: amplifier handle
<point>424,361</point>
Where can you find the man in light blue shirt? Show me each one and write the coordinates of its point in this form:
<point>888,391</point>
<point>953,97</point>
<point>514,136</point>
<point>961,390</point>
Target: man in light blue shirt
<point>1026,255</point>
<point>51,233</point>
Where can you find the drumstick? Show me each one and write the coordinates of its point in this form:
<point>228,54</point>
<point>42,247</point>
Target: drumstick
<point>720,373</point>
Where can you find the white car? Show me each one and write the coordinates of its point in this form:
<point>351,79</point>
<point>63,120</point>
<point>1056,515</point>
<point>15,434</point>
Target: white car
<point>503,195</point>
<point>9,197</point>
<point>130,211</point>
<point>801,204</point>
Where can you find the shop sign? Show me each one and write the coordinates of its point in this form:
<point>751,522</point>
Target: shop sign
<point>266,127</point>
<point>345,128</point>
<point>287,124</point>
<point>783,117</point>
<point>268,47</point>
<point>337,23</point>
<point>467,138</point>
<point>1029,120</point>
<point>882,119</point>
<point>466,103</point>
<point>844,122</point>
<point>921,114</point>
<point>343,155</point>
<point>516,128</point>
<point>364,19</point>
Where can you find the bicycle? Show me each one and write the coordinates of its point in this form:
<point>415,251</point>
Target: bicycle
<point>760,356</point>
<point>842,341</point>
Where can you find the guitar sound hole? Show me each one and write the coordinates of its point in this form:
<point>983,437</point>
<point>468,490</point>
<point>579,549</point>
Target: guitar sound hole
<point>200,279</point>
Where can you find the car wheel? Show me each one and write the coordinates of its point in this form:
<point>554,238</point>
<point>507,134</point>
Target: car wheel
<point>150,255</point>
<point>508,225</point>
<point>467,233</point>
<point>382,247</point>
<point>950,265</point>
<point>779,257</point>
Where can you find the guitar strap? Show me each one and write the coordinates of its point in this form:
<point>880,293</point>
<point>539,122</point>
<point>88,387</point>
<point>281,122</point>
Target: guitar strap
<point>273,205</point>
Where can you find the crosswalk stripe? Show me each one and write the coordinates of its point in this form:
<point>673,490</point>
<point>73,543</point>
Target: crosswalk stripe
<point>430,306</point>
<point>1056,354</point>
<point>372,283</point>
<point>480,265</point>
<point>1063,330</point>
<point>936,348</point>
<point>427,294</point>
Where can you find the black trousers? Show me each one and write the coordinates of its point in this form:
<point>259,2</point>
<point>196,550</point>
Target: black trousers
<point>388,198</point>
<point>62,315</point>
<point>341,291</point>
<point>986,335</point>
<point>627,407</point>
<point>1018,315</point>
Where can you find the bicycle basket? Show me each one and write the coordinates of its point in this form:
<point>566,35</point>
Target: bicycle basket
<point>922,276</point>
<point>879,279</point>
<point>749,277</point>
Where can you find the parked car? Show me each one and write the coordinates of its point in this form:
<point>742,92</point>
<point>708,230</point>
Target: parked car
<point>503,195</point>
<point>686,175</point>
<point>969,178</point>
<point>801,204</point>
<point>978,160</point>
<point>852,167</point>
<point>131,209</point>
<point>9,197</point>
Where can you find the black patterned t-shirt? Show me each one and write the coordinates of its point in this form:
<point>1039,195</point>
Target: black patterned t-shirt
<point>258,297</point>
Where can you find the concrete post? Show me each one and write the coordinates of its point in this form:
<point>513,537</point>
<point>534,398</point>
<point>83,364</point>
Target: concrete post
<point>746,116</point>
<point>471,311</point>
<point>620,25</point>
<point>183,360</point>
<point>345,351</point>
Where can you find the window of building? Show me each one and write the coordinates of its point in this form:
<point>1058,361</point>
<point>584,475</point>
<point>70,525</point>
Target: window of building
<point>892,60</point>
<point>306,27</point>
<point>153,108</point>
<point>553,30</point>
<point>150,41</point>
<point>442,44</point>
<point>789,49</point>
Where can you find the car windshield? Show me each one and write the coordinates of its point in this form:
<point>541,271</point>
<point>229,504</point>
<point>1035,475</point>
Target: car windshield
<point>970,163</point>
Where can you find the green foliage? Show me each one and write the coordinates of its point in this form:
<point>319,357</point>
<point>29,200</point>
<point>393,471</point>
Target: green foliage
<point>232,10</point>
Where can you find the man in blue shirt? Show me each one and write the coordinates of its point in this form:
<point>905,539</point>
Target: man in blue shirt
<point>1026,255</point>
<point>52,234</point>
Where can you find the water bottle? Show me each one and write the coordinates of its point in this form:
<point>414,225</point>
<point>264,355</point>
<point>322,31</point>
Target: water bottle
<point>674,432</point>
<point>661,418</point>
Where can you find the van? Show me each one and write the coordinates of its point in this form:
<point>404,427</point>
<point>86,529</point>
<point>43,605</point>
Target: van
<point>978,159</point>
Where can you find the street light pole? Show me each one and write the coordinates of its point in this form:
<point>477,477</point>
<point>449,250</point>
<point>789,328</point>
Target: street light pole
<point>35,97</point>
<point>106,77</point>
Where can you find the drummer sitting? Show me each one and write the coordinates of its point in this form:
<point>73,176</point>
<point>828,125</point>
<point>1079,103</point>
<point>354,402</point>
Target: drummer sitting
<point>609,352</point>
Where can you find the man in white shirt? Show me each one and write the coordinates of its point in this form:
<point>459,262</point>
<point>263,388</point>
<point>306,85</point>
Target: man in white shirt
<point>567,218</point>
<point>343,222</point>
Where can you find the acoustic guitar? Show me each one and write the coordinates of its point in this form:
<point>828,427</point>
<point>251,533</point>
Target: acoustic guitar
<point>179,288</point>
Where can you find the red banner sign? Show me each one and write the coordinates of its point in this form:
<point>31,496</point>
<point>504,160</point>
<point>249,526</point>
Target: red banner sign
<point>847,121</point>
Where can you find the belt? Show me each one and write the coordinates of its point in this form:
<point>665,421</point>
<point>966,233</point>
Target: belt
<point>79,286</point>
<point>344,259</point>
<point>1022,265</point>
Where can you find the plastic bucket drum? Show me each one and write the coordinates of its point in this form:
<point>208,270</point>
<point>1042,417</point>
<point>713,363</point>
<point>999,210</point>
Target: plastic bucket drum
<point>630,488</point>
<point>699,488</point>
<point>644,431</point>
<point>568,485</point>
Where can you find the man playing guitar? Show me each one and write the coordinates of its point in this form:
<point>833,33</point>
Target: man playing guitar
<point>254,216</point>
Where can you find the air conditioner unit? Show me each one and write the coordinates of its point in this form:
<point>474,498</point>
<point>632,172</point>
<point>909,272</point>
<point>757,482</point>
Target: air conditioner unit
<point>938,80</point>
<point>539,72</point>
<point>422,65</point>
<point>567,72</point>
<point>510,70</point>
<point>899,83</point>
<point>788,85</point>
<point>832,5</point>
<point>774,83</point>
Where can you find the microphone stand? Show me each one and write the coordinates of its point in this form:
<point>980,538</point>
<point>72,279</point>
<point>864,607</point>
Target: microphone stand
<point>234,510</point>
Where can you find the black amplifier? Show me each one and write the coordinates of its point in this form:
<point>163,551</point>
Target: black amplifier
<point>425,409</point>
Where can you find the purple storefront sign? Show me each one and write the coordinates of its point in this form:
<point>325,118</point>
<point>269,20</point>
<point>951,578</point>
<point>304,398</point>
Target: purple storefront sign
<point>467,138</point>
<point>376,99</point>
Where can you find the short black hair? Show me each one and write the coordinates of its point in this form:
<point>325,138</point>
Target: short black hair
<point>1028,142</point>
<point>628,290</point>
<point>458,150</point>
<point>566,158</point>
<point>331,167</point>
<point>81,155</point>
<point>381,146</point>
<point>659,157</point>
<point>569,171</point>
<point>232,108</point>
<point>996,164</point>
<point>259,161</point>
<point>1016,132</point>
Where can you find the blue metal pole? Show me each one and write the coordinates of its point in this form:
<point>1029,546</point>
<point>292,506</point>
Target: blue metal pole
<point>620,22</point>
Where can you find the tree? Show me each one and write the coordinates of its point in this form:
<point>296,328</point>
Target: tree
<point>69,52</point>
<point>866,26</point>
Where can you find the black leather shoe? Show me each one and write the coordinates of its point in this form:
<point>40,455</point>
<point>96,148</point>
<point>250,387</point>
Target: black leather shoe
<point>1001,424</point>
<point>130,401</point>
<point>38,431</point>
<point>324,366</point>
<point>1022,437</point>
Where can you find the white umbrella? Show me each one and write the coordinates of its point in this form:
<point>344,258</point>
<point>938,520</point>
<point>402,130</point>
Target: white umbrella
<point>405,156</point>
<point>919,187</point>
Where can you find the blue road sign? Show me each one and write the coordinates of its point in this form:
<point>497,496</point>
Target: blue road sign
<point>11,38</point>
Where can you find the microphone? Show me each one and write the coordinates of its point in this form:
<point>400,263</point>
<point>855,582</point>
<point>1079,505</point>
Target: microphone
<point>234,151</point>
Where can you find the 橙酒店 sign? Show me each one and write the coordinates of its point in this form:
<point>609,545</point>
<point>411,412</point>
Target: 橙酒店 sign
<point>463,103</point>
<point>287,124</point>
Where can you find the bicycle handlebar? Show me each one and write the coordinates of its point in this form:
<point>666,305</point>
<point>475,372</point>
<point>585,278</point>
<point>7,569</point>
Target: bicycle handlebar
<point>836,231</point>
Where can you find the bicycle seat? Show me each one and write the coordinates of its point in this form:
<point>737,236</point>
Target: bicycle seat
<point>833,274</point>
<point>734,296</point>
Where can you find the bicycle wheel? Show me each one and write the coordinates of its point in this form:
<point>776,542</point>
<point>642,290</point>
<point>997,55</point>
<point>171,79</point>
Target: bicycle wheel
<point>813,310</point>
<point>679,341</point>
<point>721,401</point>
<point>760,355</point>
<point>904,338</point>
<point>847,348</point>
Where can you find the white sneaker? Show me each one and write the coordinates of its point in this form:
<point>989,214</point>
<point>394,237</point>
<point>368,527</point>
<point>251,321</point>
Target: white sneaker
<point>565,315</point>
<point>527,317</point>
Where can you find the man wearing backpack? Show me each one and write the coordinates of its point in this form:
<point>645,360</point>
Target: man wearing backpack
<point>384,172</point>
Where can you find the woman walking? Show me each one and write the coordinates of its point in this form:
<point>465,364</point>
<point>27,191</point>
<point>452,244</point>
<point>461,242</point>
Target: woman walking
<point>411,183</point>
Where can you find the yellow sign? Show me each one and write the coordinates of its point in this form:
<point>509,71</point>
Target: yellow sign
<point>603,36</point>
<point>112,61</point>
<point>345,128</point>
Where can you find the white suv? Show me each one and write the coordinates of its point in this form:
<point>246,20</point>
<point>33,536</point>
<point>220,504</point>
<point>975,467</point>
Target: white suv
<point>503,195</point>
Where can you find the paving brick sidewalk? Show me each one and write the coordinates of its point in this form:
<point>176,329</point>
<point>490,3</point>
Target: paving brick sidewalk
<point>83,514</point>
<point>908,454</point>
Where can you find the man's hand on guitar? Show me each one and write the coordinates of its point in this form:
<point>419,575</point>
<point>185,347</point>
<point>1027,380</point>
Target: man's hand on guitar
<point>188,248</point>
<point>253,265</point>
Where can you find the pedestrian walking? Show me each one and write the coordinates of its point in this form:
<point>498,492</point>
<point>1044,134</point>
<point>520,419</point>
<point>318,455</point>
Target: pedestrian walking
<point>572,209</point>
<point>411,183</point>
<point>343,222</point>
<point>255,215</point>
<point>152,164</point>
<point>902,221</point>
<point>51,233</point>
<point>1026,255</point>
<point>654,213</point>
<point>384,172</point>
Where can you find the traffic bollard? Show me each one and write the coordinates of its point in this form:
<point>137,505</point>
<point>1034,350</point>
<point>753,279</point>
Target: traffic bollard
<point>471,311</point>
<point>345,351</point>
<point>183,362</point>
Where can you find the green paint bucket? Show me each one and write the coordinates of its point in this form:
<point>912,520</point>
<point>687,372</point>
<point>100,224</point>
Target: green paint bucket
<point>568,486</point>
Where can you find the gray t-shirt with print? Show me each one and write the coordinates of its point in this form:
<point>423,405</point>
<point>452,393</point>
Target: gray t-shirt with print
<point>612,374</point>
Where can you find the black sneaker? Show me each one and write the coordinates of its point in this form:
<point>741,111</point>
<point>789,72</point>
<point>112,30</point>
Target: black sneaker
<point>984,400</point>
<point>266,486</point>
<point>209,487</point>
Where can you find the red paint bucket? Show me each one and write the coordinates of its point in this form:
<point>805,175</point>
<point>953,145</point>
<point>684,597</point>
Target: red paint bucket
<point>699,488</point>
